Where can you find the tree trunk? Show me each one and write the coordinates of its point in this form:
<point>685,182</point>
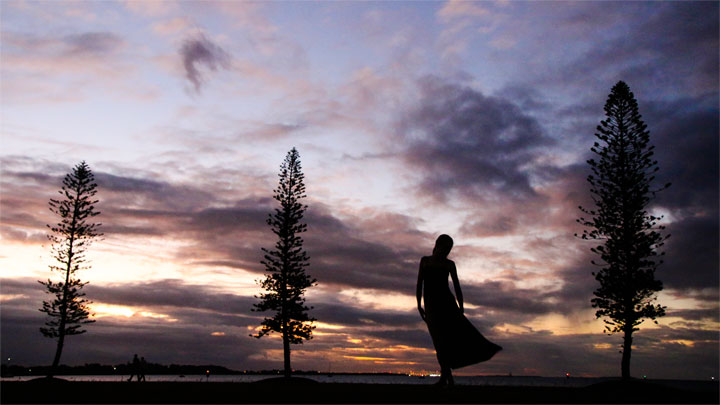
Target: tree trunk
<point>627,350</point>
<point>61,331</point>
<point>286,351</point>
<point>58,352</point>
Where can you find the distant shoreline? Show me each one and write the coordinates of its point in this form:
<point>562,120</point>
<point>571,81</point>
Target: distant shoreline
<point>201,370</point>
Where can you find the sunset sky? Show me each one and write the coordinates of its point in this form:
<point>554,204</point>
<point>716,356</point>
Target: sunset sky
<point>412,119</point>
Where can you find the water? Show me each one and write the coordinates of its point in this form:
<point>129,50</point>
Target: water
<point>518,381</point>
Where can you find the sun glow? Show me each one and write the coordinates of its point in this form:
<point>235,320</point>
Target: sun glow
<point>683,342</point>
<point>103,310</point>
<point>154,315</point>
<point>323,325</point>
<point>24,259</point>
<point>558,324</point>
<point>381,360</point>
<point>122,311</point>
<point>364,358</point>
<point>379,299</point>
<point>10,297</point>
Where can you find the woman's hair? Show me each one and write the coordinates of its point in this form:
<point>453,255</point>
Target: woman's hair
<point>443,245</point>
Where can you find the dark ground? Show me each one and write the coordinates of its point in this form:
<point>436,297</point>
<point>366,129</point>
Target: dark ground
<point>300,391</point>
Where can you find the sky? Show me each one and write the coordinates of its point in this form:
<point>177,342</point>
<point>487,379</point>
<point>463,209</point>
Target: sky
<point>412,119</point>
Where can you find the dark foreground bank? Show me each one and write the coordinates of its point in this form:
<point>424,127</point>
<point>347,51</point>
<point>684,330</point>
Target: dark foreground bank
<point>312,392</point>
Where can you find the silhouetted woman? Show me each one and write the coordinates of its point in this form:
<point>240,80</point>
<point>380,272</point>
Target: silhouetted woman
<point>457,342</point>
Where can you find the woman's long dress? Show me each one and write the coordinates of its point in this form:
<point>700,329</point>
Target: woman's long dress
<point>457,342</point>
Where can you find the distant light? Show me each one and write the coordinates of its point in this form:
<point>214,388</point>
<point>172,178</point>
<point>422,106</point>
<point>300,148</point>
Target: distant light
<point>8,358</point>
<point>567,375</point>
<point>712,378</point>
<point>644,377</point>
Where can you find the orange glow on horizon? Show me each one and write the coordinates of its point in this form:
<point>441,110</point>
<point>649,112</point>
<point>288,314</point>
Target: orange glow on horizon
<point>364,358</point>
<point>683,342</point>
<point>9,297</point>
<point>99,310</point>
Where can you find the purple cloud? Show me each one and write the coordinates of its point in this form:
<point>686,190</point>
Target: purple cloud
<point>468,144</point>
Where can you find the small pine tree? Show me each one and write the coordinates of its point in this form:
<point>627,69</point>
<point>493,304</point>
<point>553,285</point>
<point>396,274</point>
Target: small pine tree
<point>621,189</point>
<point>287,281</point>
<point>70,238</point>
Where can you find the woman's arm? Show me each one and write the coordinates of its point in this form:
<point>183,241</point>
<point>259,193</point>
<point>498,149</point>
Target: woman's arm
<point>456,284</point>
<point>420,290</point>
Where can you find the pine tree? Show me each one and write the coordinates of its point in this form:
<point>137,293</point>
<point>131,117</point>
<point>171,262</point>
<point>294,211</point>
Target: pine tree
<point>70,238</point>
<point>621,190</point>
<point>286,280</point>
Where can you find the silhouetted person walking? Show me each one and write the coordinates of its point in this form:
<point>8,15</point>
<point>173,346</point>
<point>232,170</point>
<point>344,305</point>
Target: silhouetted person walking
<point>457,342</point>
<point>135,368</point>
<point>143,367</point>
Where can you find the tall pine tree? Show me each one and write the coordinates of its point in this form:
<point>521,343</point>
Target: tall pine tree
<point>286,280</point>
<point>621,188</point>
<point>70,238</point>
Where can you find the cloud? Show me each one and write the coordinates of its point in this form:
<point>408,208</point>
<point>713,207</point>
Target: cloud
<point>461,9</point>
<point>81,45</point>
<point>650,56</point>
<point>685,133</point>
<point>15,234</point>
<point>694,28</point>
<point>710,314</point>
<point>468,144</point>
<point>468,24</point>
<point>52,68</point>
<point>504,296</point>
<point>172,26</point>
<point>150,8</point>
<point>93,43</point>
<point>691,255</point>
<point>172,293</point>
<point>200,51</point>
